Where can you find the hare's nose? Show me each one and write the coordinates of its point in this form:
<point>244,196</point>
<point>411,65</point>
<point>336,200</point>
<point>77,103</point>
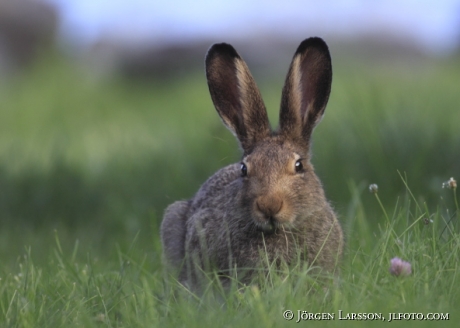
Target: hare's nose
<point>269,205</point>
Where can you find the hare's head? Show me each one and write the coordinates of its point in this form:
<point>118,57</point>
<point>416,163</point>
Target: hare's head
<point>278,182</point>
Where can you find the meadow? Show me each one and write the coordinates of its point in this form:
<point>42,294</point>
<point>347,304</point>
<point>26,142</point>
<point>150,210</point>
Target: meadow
<point>87,167</point>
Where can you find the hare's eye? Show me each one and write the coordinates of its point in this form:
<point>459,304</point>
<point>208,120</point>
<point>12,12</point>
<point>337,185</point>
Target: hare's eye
<point>298,166</point>
<point>244,170</point>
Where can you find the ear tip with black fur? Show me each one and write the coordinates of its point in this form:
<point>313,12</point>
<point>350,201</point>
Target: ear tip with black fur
<point>314,42</point>
<point>222,49</point>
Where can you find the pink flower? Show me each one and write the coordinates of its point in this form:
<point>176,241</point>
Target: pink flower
<point>399,267</point>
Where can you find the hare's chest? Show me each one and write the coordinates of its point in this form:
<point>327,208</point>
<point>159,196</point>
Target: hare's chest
<point>249,250</point>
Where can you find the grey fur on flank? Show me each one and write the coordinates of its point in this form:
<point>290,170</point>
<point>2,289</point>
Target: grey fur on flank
<point>271,205</point>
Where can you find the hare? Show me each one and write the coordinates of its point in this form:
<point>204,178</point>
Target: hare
<point>271,206</point>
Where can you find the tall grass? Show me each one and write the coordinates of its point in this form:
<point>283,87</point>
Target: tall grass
<point>86,169</point>
<point>133,290</point>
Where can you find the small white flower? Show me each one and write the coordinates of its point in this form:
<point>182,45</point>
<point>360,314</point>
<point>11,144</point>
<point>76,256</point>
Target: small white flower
<point>451,184</point>
<point>373,188</point>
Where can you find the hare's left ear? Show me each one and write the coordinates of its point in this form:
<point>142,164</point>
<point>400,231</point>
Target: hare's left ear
<point>306,90</point>
<point>236,96</point>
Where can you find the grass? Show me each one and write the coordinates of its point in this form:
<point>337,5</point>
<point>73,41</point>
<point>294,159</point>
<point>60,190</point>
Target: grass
<point>133,290</point>
<point>86,169</point>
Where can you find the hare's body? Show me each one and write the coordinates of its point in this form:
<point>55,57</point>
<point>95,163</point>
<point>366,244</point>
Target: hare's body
<point>271,207</point>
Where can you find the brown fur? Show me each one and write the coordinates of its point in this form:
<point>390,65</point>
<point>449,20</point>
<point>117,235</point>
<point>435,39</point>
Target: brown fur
<point>274,210</point>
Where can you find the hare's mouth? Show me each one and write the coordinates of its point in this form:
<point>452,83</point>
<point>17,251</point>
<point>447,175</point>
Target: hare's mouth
<point>267,226</point>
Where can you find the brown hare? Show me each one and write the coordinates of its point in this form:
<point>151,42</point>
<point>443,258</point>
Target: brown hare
<point>270,206</point>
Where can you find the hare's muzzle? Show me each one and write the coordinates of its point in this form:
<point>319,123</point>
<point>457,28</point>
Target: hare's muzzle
<point>267,208</point>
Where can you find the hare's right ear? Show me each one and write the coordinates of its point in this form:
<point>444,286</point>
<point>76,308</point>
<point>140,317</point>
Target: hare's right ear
<point>306,90</point>
<point>236,96</point>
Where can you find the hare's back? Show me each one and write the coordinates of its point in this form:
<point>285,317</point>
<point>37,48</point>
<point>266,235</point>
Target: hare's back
<point>217,188</point>
<point>173,231</point>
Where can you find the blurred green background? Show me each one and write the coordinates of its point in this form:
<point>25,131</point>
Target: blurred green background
<point>106,119</point>
<point>99,159</point>
<point>100,131</point>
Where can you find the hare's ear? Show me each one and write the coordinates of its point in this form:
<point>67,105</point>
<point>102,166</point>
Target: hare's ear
<point>306,90</point>
<point>236,96</point>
